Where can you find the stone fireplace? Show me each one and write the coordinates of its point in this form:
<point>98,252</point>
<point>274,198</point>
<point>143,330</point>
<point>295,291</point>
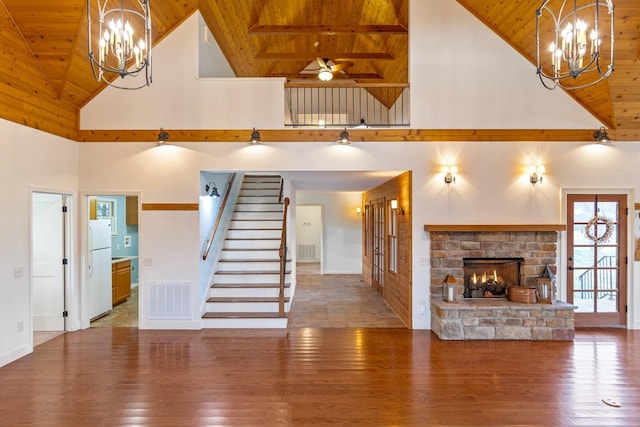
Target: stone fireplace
<point>500,256</point>
<point>490,277</point>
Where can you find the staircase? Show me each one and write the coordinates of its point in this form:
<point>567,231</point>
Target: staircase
<point>246,284</point>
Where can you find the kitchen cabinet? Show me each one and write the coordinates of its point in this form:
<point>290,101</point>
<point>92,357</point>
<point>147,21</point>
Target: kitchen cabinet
<point>93,208</point>
<point>121,283</point>
<point>132,210</point>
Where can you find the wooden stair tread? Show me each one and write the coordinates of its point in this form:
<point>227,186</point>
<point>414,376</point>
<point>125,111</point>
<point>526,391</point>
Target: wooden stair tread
<point>245,299</point>
<point>223,315</point>
<point>249,238</point>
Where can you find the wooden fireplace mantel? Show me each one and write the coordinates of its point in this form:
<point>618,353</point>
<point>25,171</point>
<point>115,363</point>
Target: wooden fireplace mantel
<point>494,227</point>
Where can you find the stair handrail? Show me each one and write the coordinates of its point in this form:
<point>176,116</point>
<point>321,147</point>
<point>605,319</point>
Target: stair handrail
<point>282,252</point>
<point>281,190</point>
<point>207,248</point>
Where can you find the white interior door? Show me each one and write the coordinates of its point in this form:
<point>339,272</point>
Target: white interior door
<point>47,271</point>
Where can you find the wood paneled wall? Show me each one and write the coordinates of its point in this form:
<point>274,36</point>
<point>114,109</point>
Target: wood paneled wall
<point>27,97</point>
<point>397,290</point>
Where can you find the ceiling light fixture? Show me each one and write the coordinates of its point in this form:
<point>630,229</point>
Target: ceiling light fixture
<point>122,44</point>
<point>577,47</point>
<point>344,137</point>
<point>601,136</point>
<point>163,137</point>
<point>255,137</point>
<point>325,74</point>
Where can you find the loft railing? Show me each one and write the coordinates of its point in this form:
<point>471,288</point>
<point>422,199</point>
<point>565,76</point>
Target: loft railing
<point>347,105</point>
<point>282,252</point>
<point>607,278</point>
<point>207,247</point>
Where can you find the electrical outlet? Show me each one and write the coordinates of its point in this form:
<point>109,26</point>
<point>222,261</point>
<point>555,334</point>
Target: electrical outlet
<point>18,271</point>
<point>423,260</point>
<point>147,262</point>
<point>422,307</point>
<point>20,325</point>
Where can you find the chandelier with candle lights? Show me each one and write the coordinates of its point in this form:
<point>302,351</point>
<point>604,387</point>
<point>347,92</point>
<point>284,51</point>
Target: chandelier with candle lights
<point>121,46</point>
<point>579,38</point>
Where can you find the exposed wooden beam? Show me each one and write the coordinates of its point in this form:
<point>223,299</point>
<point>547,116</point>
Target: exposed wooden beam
<point>356,135</point>
<point>314,76</point>
<point>327,30</point>
<point>334,56</point>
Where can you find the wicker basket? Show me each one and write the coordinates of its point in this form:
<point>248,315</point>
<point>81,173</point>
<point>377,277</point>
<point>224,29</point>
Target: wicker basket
<point>522,294</point>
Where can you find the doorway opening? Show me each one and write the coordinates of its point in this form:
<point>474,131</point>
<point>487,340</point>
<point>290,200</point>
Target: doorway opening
<point>112,260</point>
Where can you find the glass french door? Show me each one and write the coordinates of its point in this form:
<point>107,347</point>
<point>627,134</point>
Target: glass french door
<point>378,245</point>
<point>597,258</point>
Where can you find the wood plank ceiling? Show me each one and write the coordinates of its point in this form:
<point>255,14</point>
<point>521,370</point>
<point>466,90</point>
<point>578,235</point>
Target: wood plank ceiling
<point>46,77</point>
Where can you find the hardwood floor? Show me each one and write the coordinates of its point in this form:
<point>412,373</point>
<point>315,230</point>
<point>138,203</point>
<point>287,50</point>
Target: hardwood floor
<point>335,374</point>
<point>312,376</point>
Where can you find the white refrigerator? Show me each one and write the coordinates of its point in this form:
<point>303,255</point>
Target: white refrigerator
<point>99,285</point>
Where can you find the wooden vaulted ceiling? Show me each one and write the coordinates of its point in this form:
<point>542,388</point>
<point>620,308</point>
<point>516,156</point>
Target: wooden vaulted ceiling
<point>46,78</point>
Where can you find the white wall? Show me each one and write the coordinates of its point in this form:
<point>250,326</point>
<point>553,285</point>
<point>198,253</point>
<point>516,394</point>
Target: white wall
<point>31,160</point>
<point>341,230</point>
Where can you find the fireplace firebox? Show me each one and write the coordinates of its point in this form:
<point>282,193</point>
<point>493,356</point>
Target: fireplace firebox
<point>490,277</point>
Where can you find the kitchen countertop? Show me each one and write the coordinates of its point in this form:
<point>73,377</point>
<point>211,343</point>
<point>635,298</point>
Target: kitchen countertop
<point>117,259</point>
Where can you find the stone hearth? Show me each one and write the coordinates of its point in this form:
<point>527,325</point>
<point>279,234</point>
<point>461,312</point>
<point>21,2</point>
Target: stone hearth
<point>496,318</point>
<point>499,319</point>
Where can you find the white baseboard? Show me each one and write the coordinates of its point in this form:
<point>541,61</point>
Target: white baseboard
<point>16,354</point>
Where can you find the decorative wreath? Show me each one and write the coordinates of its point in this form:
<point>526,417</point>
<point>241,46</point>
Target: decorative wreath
<point>608,229</point>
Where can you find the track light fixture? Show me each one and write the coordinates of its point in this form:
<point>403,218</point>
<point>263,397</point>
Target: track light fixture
<point>601,136</point>
<point>344,137</point>
<point>255,137</point>
<point>163,137</point>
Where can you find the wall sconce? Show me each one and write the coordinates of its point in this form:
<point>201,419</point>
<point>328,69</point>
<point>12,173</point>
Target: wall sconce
<point>211,189</point>
<point>255,137</point>
<point>601,136</point>
<point>535,173</point>
<point>450,174</point>
<point>344,137</point>
<point>449,288</point>
<point>394,207</point>
<point>163,137</point>
<point>359,211</point>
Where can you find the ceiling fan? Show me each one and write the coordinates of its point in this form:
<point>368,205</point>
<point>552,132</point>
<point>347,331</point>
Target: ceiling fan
<point>325,68</point>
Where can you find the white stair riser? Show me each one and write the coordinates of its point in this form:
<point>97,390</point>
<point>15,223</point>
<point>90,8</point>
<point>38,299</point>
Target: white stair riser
<point>259,192</point>
<point>246,254</point>
<point>252,244</point>
<point>280,323</point>
<point>244,307</point>
<point>248,278</point>
<point>259,207</point>
<point>216,292</point>
<point>255,224</point>
<point>253,215</point>
<point>249,266</point>
<point>266,198</point>
<point>273,187</point>
<point>254,234</point>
